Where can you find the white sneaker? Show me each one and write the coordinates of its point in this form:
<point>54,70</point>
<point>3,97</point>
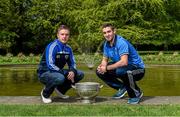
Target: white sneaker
<point>45,100</point>
<point>60,94</point>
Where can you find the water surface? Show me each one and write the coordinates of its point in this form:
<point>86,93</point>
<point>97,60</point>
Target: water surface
<point>21,80</point>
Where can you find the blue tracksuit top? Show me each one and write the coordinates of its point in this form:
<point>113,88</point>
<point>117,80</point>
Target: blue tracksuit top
<point>55,57</point>
<point>122,46</point>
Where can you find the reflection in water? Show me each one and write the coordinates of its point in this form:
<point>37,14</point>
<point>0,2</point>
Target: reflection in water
<point>19,80</point>
<point>22,80</point>
<point>162,80</point>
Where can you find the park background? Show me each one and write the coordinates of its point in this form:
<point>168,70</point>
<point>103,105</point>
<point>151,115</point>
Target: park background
<point>27,26</point>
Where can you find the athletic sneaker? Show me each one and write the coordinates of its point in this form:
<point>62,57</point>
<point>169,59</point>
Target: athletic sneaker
<point>120,93</point>
<point>45,100</point>
<point>60,94</point>
<point>135,100</point>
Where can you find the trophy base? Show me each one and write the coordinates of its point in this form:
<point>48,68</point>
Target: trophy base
<point>87,101</point>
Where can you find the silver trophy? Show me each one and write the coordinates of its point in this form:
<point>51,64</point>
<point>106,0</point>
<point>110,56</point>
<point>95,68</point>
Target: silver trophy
<point>87,91</point>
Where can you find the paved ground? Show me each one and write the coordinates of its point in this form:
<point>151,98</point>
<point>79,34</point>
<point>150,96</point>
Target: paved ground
<point>99,100</point>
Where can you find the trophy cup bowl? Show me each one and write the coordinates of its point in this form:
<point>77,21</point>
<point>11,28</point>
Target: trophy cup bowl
<point>90,66</point>
<point>87,91</point>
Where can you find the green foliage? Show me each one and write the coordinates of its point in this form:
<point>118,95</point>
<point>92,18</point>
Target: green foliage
<point>172,7</point>
<point>161,58</point>
<point>7,39</point>
<point>95,58</point>
<point>24,24</point>
<point>12,23</point>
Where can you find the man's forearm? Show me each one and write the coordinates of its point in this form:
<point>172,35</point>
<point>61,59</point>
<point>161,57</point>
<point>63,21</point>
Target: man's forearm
<point>116,65</point>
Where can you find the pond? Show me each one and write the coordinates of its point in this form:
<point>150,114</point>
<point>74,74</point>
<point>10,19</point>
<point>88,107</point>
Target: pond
<point>21,80</point>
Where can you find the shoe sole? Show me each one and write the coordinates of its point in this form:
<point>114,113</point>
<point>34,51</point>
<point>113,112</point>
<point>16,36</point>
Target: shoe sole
<point>134,102</point>
<point>139,100</point>
<point>65,97</point>
<point>43,97</point>
<point>120,96</point>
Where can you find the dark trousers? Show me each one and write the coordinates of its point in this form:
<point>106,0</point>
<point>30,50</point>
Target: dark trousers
<point>111,79</point>
<point>129,79</point>
<point>53,80</point>
<point>124,77</point>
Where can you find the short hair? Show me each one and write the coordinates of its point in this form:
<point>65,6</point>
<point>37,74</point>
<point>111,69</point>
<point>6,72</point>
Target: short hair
<point>61,27</point>
<point>108,25</point>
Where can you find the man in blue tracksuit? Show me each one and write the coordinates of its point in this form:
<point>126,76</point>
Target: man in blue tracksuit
<point>126,66</point>
<point>50,71</point>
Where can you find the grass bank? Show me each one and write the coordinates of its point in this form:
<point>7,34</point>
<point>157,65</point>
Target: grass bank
<point>89,110</point>
<point>148,58</point>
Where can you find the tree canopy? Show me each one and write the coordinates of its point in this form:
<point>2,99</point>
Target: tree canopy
<point>28,25</point>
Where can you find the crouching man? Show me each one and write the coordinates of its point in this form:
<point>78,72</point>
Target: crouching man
<point>51,70</point>
<point>126,66</point>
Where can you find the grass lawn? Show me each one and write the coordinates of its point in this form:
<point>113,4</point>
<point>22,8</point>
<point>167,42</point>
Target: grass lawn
<point>89,110</point>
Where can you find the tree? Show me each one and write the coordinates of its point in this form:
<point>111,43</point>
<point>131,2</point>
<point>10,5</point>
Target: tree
<point>12,20</point>
<point>25,23</point>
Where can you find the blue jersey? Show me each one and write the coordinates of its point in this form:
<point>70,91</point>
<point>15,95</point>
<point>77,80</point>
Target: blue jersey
<point>121,47</point>
<point>55,57</point>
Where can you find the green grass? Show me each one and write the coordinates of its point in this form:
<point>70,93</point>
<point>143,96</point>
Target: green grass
<point>161,59</point>
<point>158,58</point>
<point>89,110</point>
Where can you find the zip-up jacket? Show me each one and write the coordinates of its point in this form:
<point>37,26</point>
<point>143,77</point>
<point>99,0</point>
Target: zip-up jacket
<point>55,57</point>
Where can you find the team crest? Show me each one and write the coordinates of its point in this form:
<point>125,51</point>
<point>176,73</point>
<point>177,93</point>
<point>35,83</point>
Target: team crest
<point>66,57</point>
<point>57,56</point>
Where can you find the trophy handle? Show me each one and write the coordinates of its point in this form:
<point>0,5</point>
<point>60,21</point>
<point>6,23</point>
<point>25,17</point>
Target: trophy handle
<point>101,86</point>
<point>73,86</point>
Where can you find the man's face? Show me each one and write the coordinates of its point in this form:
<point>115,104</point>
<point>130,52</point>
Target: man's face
<point>108,33</point>
<point>63,35</point>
